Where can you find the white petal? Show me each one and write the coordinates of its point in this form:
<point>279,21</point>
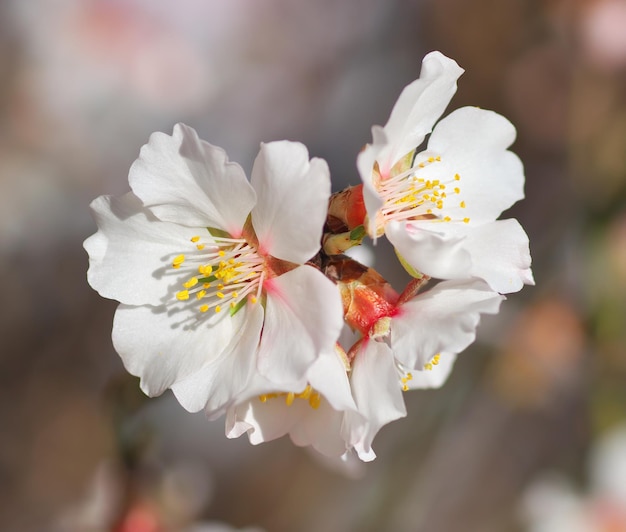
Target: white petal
<point>431,248</point>
<point>328,376</point>
<point>303,319</point>
<point>163,345</point>
<point>443,319</point>
<point>266,421</point>
<point>292,200</point>
<point>365,164</point>
<point>376,388</point>
<point>215,384</point>
<point>435,377</point>
<point>419,106</point>
<point>130,256</point>
<point>473,143</point>
<point>499,254</point>
<point>183,179</point>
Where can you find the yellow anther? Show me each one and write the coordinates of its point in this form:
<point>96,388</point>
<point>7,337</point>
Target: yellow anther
<point>457,177</point>
<point>221,253</point>
<point>431,159</point>
<point>457,190</point>
<point>204,308</point>
<point>444,195</point>
<point>201,294</point>
<point>447,219</point>
<point>421,165</point>
<point>218,309</point>
<point>440,204</point>
<point>178,261</point>
<point>409,376</point>
<point>234,294</point>
<point>428,366</point>
<point>306,393</point>
<point>192,282</point>
<point>263,398</point>
<point>435,359</point>
<point>253,299</point>
<point>233,304</point>
<point>206,285</point>
<point>462,205</point>
<point>289,398</point>
<point>315,400</point>
<point>231,261</point>
<point>200,247</point>
<point>442,187</point>
<point>183,295</point>
<point>194,239</point>
<point>405,387</point>
<point>220,295</point>
<point>220,286</point>
<point>429,211</point>
<point>466,220</point>
<point>438,158</point>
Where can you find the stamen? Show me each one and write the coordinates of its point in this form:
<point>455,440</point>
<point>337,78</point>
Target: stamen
<point>410,195</point>
<point>236,266</point>
<point>309,394</point>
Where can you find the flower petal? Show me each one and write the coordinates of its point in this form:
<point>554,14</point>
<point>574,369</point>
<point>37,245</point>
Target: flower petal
<point>435,377</point>
<point>443,319</point>
<point>266,421</point>
<point>419,106</point>
<point>328,376</point>
<point>376,390</point>
<point>431,248</point>
<point>303,318</point>
<point>499,254</point>
<point>473,143</point>
<point>130,256</point>
<point>163,345</point>
<point>292,200</point>
<point>185,180</point>
<point>214,385</point>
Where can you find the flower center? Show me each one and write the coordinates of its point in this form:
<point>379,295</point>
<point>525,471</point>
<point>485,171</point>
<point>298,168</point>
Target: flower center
<point>309,394</point>
<point>227,272</point>
<point>410,195</point>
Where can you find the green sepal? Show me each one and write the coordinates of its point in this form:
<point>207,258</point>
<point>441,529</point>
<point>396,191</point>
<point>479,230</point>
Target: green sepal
<point>209,279</point>
<point>358,233</point>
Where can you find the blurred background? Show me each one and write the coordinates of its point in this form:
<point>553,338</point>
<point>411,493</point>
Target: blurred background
<point>85,82</point>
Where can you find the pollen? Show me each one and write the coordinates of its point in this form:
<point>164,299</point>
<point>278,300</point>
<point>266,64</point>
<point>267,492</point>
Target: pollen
<point>183,295</point>
<point>466,220</point>
<point>308,394</point>
<point>218,309</point>
<point>204,308</point>
<point>195,239</point>
<point>176,263</point>
<point>462,205</point>
<point>192,282</point>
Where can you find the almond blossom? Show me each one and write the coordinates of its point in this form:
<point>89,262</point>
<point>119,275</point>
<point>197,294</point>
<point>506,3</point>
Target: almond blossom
<point>210,269</point>
<point>439,206</point>
<point>311,412</point>
<point>409,342</point>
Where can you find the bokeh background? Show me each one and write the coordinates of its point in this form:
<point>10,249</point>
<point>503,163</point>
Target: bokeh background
<point>84,83</point>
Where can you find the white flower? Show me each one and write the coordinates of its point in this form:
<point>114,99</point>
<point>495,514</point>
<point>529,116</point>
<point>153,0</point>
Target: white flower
<point>210,268</point>
<point>311,412</point>
<point>414,347</point>
<point>438,207</point>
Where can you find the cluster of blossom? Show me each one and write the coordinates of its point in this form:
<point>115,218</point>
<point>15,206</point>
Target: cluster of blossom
<point>233,293</point>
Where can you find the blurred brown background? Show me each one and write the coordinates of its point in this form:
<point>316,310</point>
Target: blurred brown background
<point>84,83</point>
